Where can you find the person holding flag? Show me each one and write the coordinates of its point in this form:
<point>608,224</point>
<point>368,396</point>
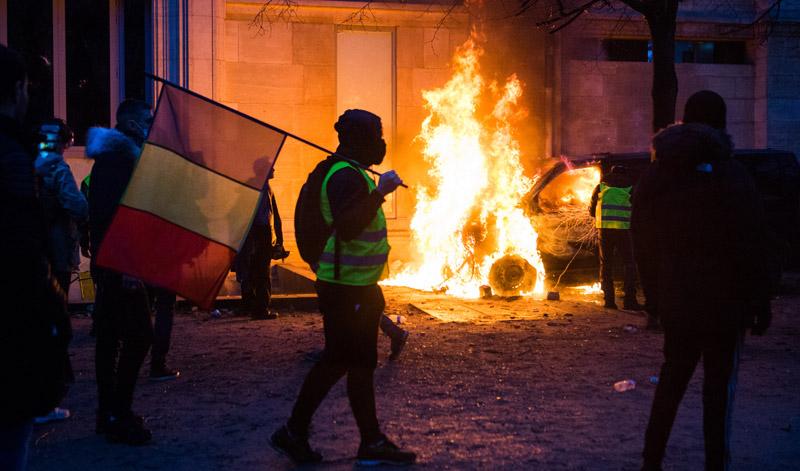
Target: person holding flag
<point>122,314</point>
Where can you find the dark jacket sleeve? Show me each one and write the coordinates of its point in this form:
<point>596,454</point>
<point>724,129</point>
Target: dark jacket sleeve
<point>593,205</point>
<point>352,204</point>
<point>109,181</point>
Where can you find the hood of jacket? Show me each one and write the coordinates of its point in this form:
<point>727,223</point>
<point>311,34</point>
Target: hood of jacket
<point>104,142</point>
<point>691,144</point>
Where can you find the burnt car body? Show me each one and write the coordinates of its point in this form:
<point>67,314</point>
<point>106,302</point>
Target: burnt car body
<point>776,174</point>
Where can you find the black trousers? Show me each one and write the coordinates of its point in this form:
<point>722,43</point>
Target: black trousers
<point>253,273</point>
<point>351,315</point>
<point>618,240</point>
<point>389,328</point>
<point>124,334</point>
<point>682,351</point>
<point>162,327</point>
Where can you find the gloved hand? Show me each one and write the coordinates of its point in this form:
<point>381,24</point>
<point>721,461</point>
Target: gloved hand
<point>388,182</point>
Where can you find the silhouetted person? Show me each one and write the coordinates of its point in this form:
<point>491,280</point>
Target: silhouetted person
<point>697,213</point>
<point>353,260</point>
<point>122,313</point>
<point>34,331</point>
<point>252,262</point>
<point>611,208</point>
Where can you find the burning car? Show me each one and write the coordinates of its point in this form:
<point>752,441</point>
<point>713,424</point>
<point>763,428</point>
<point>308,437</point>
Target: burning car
<point>559,203</point>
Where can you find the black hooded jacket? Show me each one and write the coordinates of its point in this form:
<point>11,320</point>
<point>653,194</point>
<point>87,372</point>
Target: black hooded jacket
<point>115,155</point>
<point>34,331</point>
<point>697,218</point>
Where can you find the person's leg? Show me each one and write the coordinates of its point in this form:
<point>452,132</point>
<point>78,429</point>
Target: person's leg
<point>162,328</point>
<point>625,249</point>
<point>14,442</point>
<point>136,335</point>
<point>389,328</point>
<point>106,345</point>
<point>360,386</point>
<point>63,278</point>
<point>259,271</point>
<point>318,383</point>
<point>681,354</point>
<point>720,368</point>
<point>606,254</point>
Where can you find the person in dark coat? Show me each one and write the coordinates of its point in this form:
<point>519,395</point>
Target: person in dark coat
<point>34,332</point>
<point>698,216</point>
<point>260,247</point>
<point>611,208</point>
<point>122,313</point>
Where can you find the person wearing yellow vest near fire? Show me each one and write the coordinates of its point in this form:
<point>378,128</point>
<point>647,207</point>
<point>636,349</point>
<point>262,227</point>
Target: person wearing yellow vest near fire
<point>611,208</point>
<point>352,261</point>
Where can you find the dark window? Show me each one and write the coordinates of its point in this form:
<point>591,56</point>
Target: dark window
<point>30,32</point>
<point>700,52</point>
<point>135,49</point>
<point>625,50</point>
<point>87,46</point>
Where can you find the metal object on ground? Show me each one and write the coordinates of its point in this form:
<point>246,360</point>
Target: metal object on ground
<point>512,275</point>
<point>553,296</point>
<point>486,291</point>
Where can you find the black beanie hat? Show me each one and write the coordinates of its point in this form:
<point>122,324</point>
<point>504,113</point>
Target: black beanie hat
<point>705,107</point>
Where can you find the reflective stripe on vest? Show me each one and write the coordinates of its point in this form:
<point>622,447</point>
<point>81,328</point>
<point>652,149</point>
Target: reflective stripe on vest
<point>362,261</point>
<point>613,207</point>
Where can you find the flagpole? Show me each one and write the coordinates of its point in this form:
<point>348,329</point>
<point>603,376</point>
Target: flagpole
<point>258,121</point>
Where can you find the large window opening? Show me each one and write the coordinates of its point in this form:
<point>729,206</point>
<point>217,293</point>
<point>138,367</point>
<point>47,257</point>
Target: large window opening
<point>698,52</point>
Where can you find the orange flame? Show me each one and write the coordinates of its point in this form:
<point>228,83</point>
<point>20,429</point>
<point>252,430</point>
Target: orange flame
<point>471,216</point>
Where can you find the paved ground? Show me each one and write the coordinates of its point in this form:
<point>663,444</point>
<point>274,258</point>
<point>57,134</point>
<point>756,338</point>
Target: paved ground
<point>526,385</point>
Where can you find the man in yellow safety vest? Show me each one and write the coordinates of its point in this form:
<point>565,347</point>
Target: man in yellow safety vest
<point>611,208</point>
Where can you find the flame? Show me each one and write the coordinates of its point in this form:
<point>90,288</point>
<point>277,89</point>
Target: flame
<point>471,215</point>
<point>572,188</point>
<point>589,290</point>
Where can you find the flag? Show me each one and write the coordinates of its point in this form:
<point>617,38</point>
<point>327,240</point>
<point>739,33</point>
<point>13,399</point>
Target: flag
<point>192,196</point>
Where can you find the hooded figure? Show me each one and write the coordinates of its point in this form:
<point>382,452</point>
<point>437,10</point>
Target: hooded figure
<point>351,302</point>
<point>122,313</point>
<point>697,219</point>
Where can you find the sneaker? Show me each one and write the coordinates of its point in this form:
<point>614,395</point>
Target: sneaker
<point>384,452</point>
<point>128,431</point>
<point>293,446</point>
<point>55,415</point>
<point>163,374</point>
<point>397,345</point>
<point>268,315</point>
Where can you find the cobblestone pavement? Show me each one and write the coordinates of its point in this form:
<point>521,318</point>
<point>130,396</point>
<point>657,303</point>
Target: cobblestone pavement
<point>524,385</point>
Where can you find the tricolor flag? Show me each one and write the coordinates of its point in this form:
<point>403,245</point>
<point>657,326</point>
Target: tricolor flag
<point>192,196</point>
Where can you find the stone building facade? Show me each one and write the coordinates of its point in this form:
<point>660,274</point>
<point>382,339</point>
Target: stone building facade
<point>587,88</point>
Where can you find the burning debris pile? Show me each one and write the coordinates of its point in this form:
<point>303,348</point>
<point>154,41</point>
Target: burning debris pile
<point>469,227</point>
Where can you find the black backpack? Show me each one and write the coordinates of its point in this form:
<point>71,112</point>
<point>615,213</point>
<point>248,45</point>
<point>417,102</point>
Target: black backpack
<point>310,230</point>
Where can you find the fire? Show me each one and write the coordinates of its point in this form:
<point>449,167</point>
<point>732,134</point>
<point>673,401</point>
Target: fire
<point>471,216</point>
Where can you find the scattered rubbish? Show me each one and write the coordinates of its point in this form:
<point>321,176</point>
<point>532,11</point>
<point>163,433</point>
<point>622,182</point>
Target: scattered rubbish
<point>216,314</point>
<point>625,385</point>
<point>654,380</point>
<point>486,291</point>
<point>630,328</point>
<point>553,296</point>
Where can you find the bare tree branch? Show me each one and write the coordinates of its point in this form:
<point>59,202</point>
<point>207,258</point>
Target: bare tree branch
<point>272,11</point>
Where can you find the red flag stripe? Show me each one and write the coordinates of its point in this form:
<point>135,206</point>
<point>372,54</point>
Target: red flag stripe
<point>146,246</point>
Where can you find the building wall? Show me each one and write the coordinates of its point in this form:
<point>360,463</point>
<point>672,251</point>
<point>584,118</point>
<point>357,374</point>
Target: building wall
<point>607,105</point>
<point>286,73</point>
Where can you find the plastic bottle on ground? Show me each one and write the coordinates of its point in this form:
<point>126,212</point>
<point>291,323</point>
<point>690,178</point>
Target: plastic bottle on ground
<point>624,385</point>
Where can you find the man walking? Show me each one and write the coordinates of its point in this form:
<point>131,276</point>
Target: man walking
<point>122,313</point>
<point>353,260</point>
<point>698,214</point>
<point>611,208</point>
